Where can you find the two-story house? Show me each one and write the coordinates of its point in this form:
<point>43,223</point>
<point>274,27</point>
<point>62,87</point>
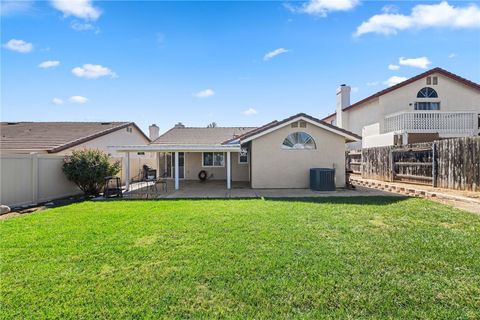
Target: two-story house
<point>434,104</point>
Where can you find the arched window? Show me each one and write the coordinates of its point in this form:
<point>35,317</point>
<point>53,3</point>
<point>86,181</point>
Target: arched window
<point>299,140</point>
<point>427,92</point>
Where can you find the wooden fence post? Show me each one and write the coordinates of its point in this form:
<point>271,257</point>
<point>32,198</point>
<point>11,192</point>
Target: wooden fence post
<point>391,163</point>
<point>434,164</point>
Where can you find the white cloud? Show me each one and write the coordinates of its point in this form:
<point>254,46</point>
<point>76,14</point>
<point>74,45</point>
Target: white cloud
<point>421,62</point>
<point>11,7</point>
<point>78,99</point>
<point>250,112</point>
<point>423,16</point>
<point>393,67</point>
<point>18,46</point>
<point>274,53</point>
<point>372,84</point>
<point>205,93</point>
<point>82,9</point>
<point>322,7</point>
<point>81,26</point>
<point>49,64</point>
<point>452,55</point>
<point>394,80</point>
<point>93,71</point>
<point>57,101</point>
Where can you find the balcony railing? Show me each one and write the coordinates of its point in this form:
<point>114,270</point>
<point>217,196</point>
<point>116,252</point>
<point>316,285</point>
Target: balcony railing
<point>444,123</point>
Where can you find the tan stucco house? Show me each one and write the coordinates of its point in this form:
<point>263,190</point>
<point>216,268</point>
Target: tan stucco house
<point>276,155</point>
<point>434,104</point>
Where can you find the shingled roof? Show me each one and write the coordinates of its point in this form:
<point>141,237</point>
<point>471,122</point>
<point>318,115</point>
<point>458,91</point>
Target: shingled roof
<point>54,136</point>
<point>200,136</point>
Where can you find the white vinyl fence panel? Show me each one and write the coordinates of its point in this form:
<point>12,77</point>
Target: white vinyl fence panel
<point>31,178</point>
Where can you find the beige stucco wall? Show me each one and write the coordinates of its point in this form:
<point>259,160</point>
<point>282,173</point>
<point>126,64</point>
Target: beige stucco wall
<point>116,138</point>
<point>452,95</point>
<point>274,167</point>
<point>193,165</point>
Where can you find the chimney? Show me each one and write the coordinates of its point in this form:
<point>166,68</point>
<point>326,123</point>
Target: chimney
<point>343,101</point>
<point>153,131</point>
<point>179,125</point>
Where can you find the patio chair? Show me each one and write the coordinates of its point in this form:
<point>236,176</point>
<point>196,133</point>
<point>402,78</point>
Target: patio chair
<point>162,181</point>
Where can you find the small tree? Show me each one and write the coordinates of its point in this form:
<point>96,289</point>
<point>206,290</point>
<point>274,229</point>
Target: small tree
<point>212,125</point>
<point>88,169</point>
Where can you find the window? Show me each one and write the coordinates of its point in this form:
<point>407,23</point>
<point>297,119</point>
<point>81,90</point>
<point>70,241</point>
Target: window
<point>294,125</point>
<point>213,159</point>
<point>427,92</point>
<point>298,140</point>
<point>427,105</point>
<point>429,81</point>
<point>302,124</point>
<point>243,156</point>
<point>435,81</point>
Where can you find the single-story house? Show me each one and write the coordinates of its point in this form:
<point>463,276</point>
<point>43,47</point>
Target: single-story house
<point>276,155</point>
<point>61,138</point>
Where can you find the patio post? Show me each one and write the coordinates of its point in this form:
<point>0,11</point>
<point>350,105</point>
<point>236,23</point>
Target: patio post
<point>229,171</point>
<point>177,181</point>
<point>127,171</point>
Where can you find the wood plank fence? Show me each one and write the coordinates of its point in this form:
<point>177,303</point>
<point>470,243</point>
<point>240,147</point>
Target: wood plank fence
<point>450,163</point>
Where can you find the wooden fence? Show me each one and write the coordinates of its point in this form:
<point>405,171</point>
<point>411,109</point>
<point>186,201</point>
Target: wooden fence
<point>449,163</point>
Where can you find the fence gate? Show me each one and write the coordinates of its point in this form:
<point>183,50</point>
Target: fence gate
<point>413,165</point>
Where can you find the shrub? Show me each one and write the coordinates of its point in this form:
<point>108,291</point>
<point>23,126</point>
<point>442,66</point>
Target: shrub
<point>88,169</point>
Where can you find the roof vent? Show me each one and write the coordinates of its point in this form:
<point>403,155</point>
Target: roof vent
<point>179,125</point>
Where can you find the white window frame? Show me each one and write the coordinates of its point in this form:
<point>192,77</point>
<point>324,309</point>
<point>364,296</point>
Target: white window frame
<point>248,157</point>
<point>213,165</point>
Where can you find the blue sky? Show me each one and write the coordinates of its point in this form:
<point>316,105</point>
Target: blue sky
<point>235,63</point>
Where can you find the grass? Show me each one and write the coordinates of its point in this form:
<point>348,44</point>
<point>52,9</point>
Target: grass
<point>330,258</point>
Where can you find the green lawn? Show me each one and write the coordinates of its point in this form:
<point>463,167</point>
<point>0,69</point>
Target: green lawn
<point>334,258</point>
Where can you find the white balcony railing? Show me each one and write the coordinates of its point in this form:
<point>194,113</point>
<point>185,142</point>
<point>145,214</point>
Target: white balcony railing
<point>444,123</point>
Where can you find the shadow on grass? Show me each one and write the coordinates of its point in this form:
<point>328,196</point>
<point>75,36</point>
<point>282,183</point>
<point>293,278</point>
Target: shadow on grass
<point>359,200</point>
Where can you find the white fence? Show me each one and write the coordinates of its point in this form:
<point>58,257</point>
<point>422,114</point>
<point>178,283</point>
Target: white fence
<point>32,178</point>
<point>445,123</point>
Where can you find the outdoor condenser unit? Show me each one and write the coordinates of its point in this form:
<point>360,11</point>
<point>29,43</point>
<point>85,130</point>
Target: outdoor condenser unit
<point>322,179</point>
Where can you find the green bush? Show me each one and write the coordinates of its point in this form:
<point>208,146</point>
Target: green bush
<point>88,169</point>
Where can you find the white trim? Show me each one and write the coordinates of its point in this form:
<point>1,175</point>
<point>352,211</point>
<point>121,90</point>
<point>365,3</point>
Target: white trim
<point>174,148</point>
<point>177,172</point>
<point>229,171</point>
<point>213,166</point>
<point>341,133</point>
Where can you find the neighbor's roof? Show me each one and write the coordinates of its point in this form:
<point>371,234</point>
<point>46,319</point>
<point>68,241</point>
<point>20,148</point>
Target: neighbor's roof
<point>319,122</point>
<point>408,81</point>
<point>54,136</point>
<point>200,136</point>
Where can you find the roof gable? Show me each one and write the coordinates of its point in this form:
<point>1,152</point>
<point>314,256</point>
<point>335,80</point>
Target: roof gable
<point>275,125</point>
<point>55,136</point>
<point>441,71</point>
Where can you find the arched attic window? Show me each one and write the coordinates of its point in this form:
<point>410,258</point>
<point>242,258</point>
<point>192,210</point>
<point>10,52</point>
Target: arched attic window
<point>427,92</point>
<point>299,140</point>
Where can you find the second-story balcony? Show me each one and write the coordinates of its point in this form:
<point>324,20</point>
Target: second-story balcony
<point>443,123</point>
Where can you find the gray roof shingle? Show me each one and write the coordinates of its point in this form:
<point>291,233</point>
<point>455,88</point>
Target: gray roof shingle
<point>201,136</point>
<point>53,136</point>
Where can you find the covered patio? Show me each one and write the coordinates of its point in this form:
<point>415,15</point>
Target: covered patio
<point>176,152</point>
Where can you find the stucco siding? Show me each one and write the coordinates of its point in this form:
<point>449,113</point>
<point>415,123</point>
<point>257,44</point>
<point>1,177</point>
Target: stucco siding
<point>452,95</point>
<point>117,138</point>
<point>193,165</point>
<point>274,167</point>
